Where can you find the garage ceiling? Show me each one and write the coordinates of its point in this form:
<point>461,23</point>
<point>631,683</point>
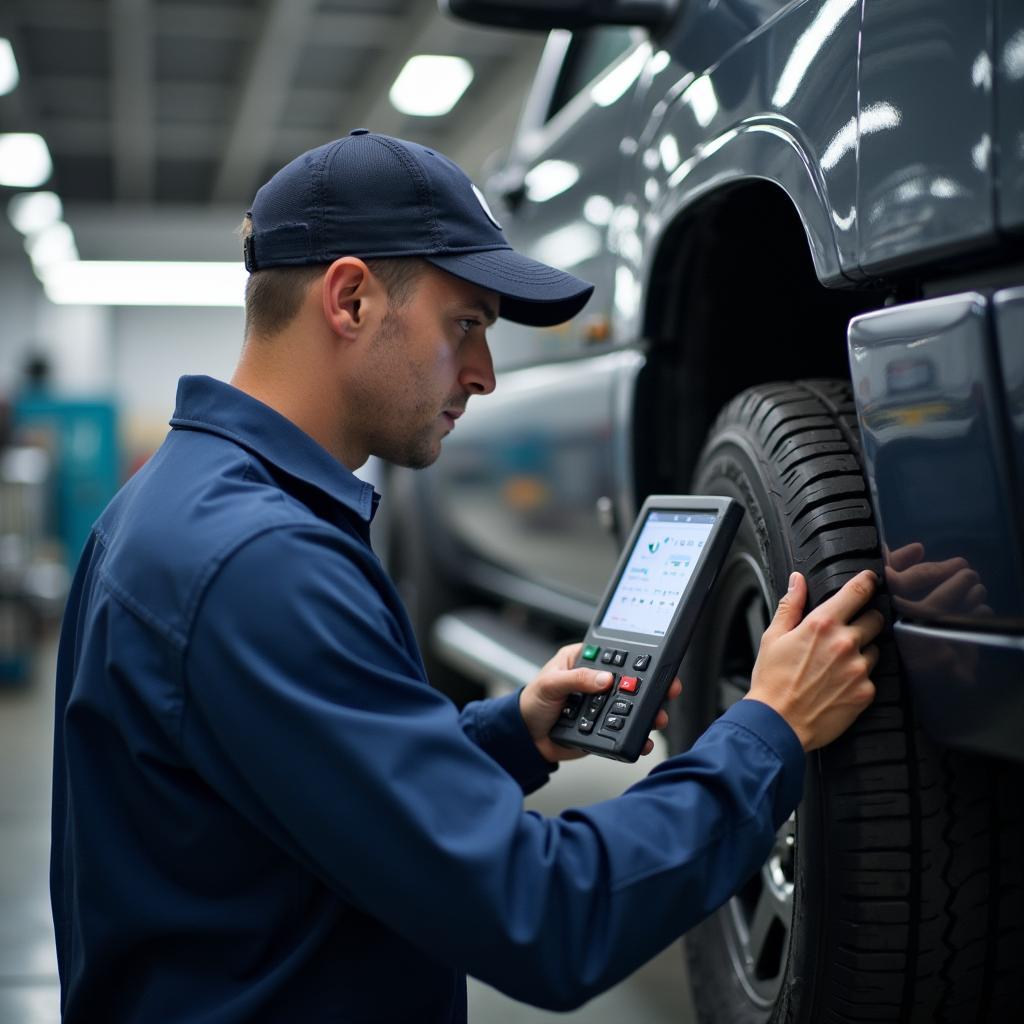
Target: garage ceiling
<point>158,104</point>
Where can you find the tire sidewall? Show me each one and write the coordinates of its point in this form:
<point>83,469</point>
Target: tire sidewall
<point>730,466</point>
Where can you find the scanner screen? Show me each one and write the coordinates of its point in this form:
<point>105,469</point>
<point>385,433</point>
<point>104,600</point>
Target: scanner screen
<point>658,571</point>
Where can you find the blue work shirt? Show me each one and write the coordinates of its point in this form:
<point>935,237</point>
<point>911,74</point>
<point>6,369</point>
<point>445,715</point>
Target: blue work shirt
<point>263,812</point>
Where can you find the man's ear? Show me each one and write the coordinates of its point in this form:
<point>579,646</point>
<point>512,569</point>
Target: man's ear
<point>350,296</point>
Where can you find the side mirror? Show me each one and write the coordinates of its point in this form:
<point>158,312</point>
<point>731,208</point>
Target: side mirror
<point>544,15</point>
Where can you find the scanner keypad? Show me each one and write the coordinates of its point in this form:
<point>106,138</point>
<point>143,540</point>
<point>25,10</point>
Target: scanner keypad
<point>584,711</point>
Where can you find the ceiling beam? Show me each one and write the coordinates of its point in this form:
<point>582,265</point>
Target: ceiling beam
<point>370,107</point>
<point>80,137</point>
<point>18,108</point>
<point>63,14</point>
<point>210,21</point>
<point>264,93</point>
<point>131,96</point>
<point>356,30</point>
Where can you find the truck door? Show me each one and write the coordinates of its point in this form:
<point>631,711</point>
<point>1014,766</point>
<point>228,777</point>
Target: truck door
<point>522,476</point>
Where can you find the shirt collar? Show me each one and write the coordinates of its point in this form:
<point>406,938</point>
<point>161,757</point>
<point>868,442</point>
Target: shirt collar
<point>218,408</point>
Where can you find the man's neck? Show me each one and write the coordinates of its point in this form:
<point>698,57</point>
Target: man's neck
<point>299,396</point>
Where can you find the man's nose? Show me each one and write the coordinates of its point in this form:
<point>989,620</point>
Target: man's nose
<point>477,375</point>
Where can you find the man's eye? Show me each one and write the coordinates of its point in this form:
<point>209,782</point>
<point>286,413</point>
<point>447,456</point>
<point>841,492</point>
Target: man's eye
<point>467,324</point>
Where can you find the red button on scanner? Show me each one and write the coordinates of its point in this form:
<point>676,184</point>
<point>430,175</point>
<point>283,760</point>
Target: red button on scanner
<point>629,684</point>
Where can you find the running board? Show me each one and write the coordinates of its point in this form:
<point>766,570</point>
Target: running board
<point>481,644</point>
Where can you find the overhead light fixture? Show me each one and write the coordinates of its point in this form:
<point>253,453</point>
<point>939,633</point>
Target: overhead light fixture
<point>429,86</point>
<point>145,283</point>
<point>24,160</point>
<point>51,246</point>
<point>8,67</point>
<point>30,212</point>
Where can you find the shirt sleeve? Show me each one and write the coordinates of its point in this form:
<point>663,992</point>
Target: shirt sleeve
<point>305,713</point>
<point>496,726</point>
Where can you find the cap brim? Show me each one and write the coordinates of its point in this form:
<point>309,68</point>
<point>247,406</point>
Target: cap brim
<point>531,293</point>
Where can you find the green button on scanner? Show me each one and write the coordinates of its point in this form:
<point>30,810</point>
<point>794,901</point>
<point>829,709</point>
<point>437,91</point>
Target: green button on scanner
<point>590,652</point>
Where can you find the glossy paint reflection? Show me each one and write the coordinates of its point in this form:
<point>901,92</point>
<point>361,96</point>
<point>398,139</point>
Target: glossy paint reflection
<point>807,47</point>
<point>753,114</point>
<point>926,181</point>
<point>931,418</point>
<point>968,687</point>
<point>521,479</point>
<point>1009,125</point>
<point>1008,309</point>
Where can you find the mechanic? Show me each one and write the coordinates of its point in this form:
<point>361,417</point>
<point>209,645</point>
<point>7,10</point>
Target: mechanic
<point>262,810</point>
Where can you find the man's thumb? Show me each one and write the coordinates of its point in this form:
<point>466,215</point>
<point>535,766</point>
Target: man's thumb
<point>791,607</point>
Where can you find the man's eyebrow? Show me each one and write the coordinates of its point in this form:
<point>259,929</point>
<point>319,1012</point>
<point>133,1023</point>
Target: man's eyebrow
<point>484,309</point>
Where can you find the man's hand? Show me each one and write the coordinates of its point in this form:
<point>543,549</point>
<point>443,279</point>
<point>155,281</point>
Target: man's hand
<point>815,673</point>
<point>923,589</point>
<point>541,701</point>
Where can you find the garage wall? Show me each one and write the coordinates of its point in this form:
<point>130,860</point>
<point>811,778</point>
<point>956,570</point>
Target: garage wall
<point>152,348</point>
<point>133,355</point>
<point>20,298</point>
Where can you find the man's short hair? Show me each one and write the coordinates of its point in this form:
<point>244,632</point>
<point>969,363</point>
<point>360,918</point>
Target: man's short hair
<point>273,296</point>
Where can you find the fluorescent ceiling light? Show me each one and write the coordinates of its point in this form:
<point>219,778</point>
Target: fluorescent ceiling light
<point>51,246</point>
<point>8,67</point>
<point>429,86</point>
<point>145,283</point>
<point>24,160</point>
<point>32,211</point>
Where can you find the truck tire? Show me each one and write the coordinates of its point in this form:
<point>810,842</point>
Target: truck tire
<point>895,892</point>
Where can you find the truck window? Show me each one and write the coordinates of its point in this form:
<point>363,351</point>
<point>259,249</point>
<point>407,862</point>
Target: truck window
<point>590,52</point>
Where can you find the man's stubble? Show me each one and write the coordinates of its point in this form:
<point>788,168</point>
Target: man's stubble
<point>403,425</point>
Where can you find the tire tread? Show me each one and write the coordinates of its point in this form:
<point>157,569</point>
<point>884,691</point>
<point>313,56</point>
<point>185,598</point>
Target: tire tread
<point>926,901</point>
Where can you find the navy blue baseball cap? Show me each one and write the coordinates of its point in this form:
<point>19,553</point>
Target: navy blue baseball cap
<point>373,196</point>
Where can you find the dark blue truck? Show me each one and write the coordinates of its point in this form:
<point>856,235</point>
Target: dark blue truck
<point>804,220</point>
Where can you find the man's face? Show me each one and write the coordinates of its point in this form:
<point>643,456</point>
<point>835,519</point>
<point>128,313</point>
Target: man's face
<point>425,361</point>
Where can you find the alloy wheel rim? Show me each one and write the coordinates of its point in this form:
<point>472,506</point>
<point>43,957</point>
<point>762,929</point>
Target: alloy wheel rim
<point>757,922</point>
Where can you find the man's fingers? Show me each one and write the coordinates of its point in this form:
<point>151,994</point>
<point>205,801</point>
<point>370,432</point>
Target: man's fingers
<point>674,690</point>
<point>871,654</point>
<point>952,594</point>
<point>577,680</point>
<point>563,658</point>
<point>648,747</point>
<point>661,720</point>
<point>568,654</point>
<point>920,580</point>
<point>868,626</point>
<point>853,595</point>
<point>791,607</point>
<point>906,556</point>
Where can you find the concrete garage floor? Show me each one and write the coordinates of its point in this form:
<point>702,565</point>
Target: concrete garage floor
<point>28,969</point>
<point>28,963</point>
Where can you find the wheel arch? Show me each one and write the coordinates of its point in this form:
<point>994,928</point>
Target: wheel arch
<point>733,300</point>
